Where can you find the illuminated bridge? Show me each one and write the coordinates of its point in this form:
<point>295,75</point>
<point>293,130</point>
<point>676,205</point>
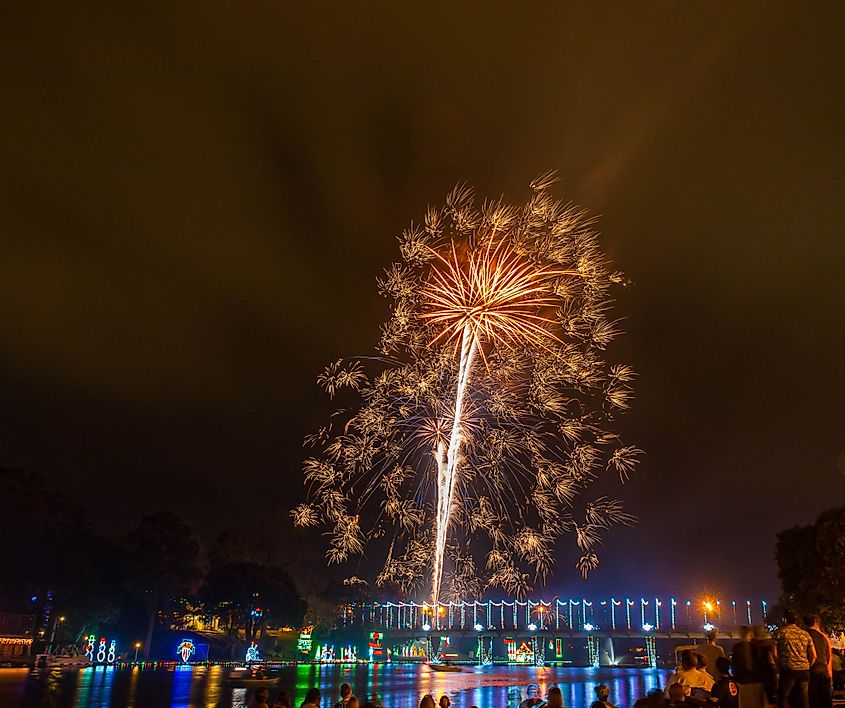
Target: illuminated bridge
<point>577,630</point>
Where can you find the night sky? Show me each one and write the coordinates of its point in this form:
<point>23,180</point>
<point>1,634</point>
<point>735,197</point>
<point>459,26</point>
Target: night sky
<point>195,201</point>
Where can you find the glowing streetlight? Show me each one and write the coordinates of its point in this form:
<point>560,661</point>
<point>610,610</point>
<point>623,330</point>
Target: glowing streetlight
<point>137,647</point>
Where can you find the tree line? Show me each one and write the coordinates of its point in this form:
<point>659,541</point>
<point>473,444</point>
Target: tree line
<point>55,563</point>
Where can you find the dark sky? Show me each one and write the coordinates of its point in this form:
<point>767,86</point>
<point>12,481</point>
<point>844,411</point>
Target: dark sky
<point>195,200</point>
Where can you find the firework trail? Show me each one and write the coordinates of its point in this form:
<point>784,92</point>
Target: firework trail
<point>492,364</point>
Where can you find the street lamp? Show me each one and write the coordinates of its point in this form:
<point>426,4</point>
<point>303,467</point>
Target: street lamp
<point>137,647</point>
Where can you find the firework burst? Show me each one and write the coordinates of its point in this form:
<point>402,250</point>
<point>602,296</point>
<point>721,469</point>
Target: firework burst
<point>485,421</point>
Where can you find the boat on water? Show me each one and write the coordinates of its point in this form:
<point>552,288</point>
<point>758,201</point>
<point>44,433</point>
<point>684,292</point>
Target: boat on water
<point>247,682</point>
<point>251,678</point>
<point>445,667</point>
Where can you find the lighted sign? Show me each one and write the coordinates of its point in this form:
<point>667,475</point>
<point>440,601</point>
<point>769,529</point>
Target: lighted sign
<point>303,646</point>
<point>252,653</point>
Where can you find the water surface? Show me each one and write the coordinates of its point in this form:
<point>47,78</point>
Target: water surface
<point>396,685</point>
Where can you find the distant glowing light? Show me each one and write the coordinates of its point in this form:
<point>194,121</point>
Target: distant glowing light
<point>589,627</point>
<point>532,627</point>
<point>647,627</point>
<point>426,627</point>
<point>478,627</point>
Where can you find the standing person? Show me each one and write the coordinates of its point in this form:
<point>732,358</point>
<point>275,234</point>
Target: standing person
<point>312,699</point>
<point>554,699</point>
<point>602,696</point>
<point>444,701</point>
<point>795,653</point>
<point>749,672</point>
<point>427,701</point>
<point>837,667</point>
<point>821,676</point>
<point>711,651</point>
<point>725,693</point>
<point>345,695</point>
<point>764,658</point>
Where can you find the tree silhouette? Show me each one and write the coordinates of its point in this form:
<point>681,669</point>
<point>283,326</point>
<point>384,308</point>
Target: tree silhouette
<point>164,563</point>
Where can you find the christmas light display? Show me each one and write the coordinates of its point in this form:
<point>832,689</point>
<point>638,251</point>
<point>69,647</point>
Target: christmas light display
<point>185,649</point>
<point>112,652</point>
<point>492,395</point>
<point>510,648</point>
<point>252,653</point>
<point>101,651</point>
<point>593,651</point>
<point>524,654</point>
<point>304,643</point>
<point>651,651</point>
<point>89,648</point>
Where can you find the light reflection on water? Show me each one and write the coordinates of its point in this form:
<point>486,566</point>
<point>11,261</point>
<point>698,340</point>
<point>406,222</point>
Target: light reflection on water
<point>398,686</point>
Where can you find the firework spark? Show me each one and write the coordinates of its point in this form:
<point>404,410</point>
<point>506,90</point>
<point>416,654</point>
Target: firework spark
<point>493,363</point>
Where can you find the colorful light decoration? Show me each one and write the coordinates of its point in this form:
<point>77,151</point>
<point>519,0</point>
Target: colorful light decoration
<point>593,651</point>
<point>505,615</point>
<point>252,653</point>
<point>304,643</point>
<point>101,651</point>
<point>185,650</point>
<point>89,648</point>
<point>651,651</point>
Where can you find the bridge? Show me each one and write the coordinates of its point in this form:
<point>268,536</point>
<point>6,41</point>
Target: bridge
<point>496,628</point>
